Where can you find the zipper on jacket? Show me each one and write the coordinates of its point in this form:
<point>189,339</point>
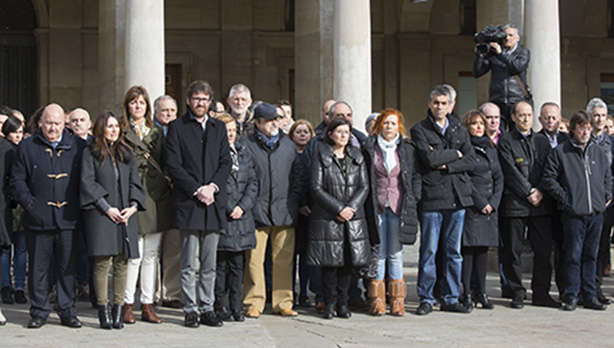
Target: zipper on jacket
<point>587,173</point>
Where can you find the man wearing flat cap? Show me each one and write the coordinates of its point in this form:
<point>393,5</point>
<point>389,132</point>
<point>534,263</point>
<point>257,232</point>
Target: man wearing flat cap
<point>280,180</point>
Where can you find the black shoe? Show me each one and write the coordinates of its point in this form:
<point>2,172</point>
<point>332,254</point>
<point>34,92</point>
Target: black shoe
<point>455,307</point>
<point>116,316</point>
<point>545,301</point>
<point>224,315</point>
<point>424,308</point>
<point>36,322</point>
<point>103,317</point>
<point>483,300</point>
<point>210,319</point>
<point>237,315</point>
<point>7,295</point>
<point>303,301</point>
<point>72,322</point>
<point>595,304</point>
<point>191,320</point>
<point>600,297</point>
<point>517,301</point>
<point>343,312</point>
<point>20,297</point>
<point>328,311</point>
<point>570,304</point>
<point>465,301</point>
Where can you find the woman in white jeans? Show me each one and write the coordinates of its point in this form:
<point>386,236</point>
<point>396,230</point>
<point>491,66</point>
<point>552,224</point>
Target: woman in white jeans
<point>147,142</point>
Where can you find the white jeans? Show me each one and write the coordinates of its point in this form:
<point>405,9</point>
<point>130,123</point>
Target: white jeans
<point>149,256</point>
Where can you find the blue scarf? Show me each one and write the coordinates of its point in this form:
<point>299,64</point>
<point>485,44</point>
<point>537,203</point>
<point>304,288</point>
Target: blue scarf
<point>269,142</point>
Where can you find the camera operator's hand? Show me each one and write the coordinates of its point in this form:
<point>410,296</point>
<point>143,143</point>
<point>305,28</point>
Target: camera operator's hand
<point>496,47</point>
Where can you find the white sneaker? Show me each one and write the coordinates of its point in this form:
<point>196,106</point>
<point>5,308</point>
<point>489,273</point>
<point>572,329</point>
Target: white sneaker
<point>2,318</point>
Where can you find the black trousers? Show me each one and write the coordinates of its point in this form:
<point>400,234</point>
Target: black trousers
<point>42,247</point>
<point>540,236</point>
<point>229,280</point>
<point>559,253</point>
<point>474,267</point>
<point>603,257</point>
<point>335,284</point>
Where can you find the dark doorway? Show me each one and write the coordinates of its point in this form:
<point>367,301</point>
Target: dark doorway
<point>18,61</point>
<point>172,84</point>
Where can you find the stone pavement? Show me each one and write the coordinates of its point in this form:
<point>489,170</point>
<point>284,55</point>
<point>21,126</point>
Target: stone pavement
<point>500,327</point>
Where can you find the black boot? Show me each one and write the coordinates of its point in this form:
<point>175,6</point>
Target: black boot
<point>116,313</point>
<point>329,310</point>
<point>483,300</point>
<point>465,300</point>
<point>103,317</point>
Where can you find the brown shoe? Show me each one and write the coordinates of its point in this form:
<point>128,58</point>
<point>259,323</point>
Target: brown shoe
<point>398,290</point>
<point>149,315</point>
<point>377,297</point>
<point>287,312</point>
<point>253,313</point>
<point>128,314</point>
<point>320,306</point>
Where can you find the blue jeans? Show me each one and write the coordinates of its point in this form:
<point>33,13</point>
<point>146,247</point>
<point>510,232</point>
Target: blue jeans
<point>390,247</point>
<point>581,244</point>
<point>20,259</point>
<point>448,226</point>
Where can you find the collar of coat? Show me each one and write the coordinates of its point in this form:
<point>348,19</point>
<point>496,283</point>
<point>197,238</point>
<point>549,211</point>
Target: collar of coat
<point>453,122</point>
<point>65,143</point>
<point>326,153</point>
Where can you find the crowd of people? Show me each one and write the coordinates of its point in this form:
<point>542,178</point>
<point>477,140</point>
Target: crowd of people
<point>242,205</point>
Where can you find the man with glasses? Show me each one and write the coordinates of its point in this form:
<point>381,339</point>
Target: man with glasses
<point>198,160</point>
<point>239,99</point>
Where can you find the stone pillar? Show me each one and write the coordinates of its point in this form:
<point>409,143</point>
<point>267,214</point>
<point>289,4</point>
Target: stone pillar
<point>543,40</point>
<point>352,56</point>
<point>145,46</point>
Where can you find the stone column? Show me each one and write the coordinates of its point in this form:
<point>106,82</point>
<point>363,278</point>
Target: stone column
<point>145,46</point>
<point>543,40</point>
<point>352,56</point>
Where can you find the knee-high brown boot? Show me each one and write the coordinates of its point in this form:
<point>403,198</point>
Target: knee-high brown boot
<point>377,297</point>
<point>397,290</point>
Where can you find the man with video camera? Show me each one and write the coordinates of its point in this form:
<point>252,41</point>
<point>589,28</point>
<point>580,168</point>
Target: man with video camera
<point>498,49</point>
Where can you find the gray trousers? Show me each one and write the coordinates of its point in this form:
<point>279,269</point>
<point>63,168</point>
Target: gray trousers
<point>206,244</point>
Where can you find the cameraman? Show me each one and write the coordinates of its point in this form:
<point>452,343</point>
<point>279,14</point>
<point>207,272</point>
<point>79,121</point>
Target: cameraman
<point>505,62</point>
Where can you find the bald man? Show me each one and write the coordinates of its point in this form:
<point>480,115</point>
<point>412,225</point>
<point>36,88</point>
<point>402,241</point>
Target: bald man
<point>45,181</point>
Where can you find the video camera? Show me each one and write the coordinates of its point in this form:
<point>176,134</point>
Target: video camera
<point>486,36</point>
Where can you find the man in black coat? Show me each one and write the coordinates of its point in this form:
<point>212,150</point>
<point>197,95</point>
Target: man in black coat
<point>198,160</point>
<point>45,182</point>
<point>508,65</point>
<point>522,155</point>
<point>446,157</point>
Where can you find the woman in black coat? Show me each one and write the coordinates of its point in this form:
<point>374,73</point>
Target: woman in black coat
<point>481,229</point>
<point>338,233</point>
<point>239,235</point>
<point>111,193</point>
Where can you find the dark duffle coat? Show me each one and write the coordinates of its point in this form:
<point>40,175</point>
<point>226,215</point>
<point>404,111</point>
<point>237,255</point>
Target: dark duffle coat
<point>99,180</point>
<point>240,234</point>
<point>7,153</point>
<point>411,189</point>
<point>194,159</point>
<point>486,188</point>
<point>332,192</point>
<point>45,181</point>
<point>158,200</point>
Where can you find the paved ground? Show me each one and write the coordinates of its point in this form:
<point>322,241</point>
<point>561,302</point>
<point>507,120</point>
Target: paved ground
<point>501,327</point>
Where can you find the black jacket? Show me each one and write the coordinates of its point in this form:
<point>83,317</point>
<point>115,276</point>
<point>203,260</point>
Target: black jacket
<point>486,188</point>
<point>280,180</point>
<point>411,187</point>
<point>242,192</point>
<point>194,160</point>
<point>503,85</point>
<point>579,179</point>
<point>332,192</point>
<point>448,188</point>
<point>45,181</point>
<point>522,161</point>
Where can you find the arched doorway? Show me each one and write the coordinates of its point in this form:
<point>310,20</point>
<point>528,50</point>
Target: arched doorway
<point>18,67</point>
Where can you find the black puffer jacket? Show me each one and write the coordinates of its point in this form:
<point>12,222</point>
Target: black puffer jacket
<point>331,192</point>
<point>448,188</point>
<point>242,192</point>
<point>412,189</point>
<point>504,87</point>
<point>522,161</point>
<point>486,188</point>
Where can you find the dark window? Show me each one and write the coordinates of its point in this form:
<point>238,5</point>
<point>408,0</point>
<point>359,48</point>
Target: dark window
<point>610,19</point>
<point>467,17</point>
<point>289,15</point>
<point>17,15</point>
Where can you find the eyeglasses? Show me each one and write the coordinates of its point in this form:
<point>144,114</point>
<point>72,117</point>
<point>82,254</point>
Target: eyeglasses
<point>200,100</point>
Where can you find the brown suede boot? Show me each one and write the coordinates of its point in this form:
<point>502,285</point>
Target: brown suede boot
<point>128,314</point>
<point>377,297</point>
<point>397,290</point>
<point>148,314</point>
